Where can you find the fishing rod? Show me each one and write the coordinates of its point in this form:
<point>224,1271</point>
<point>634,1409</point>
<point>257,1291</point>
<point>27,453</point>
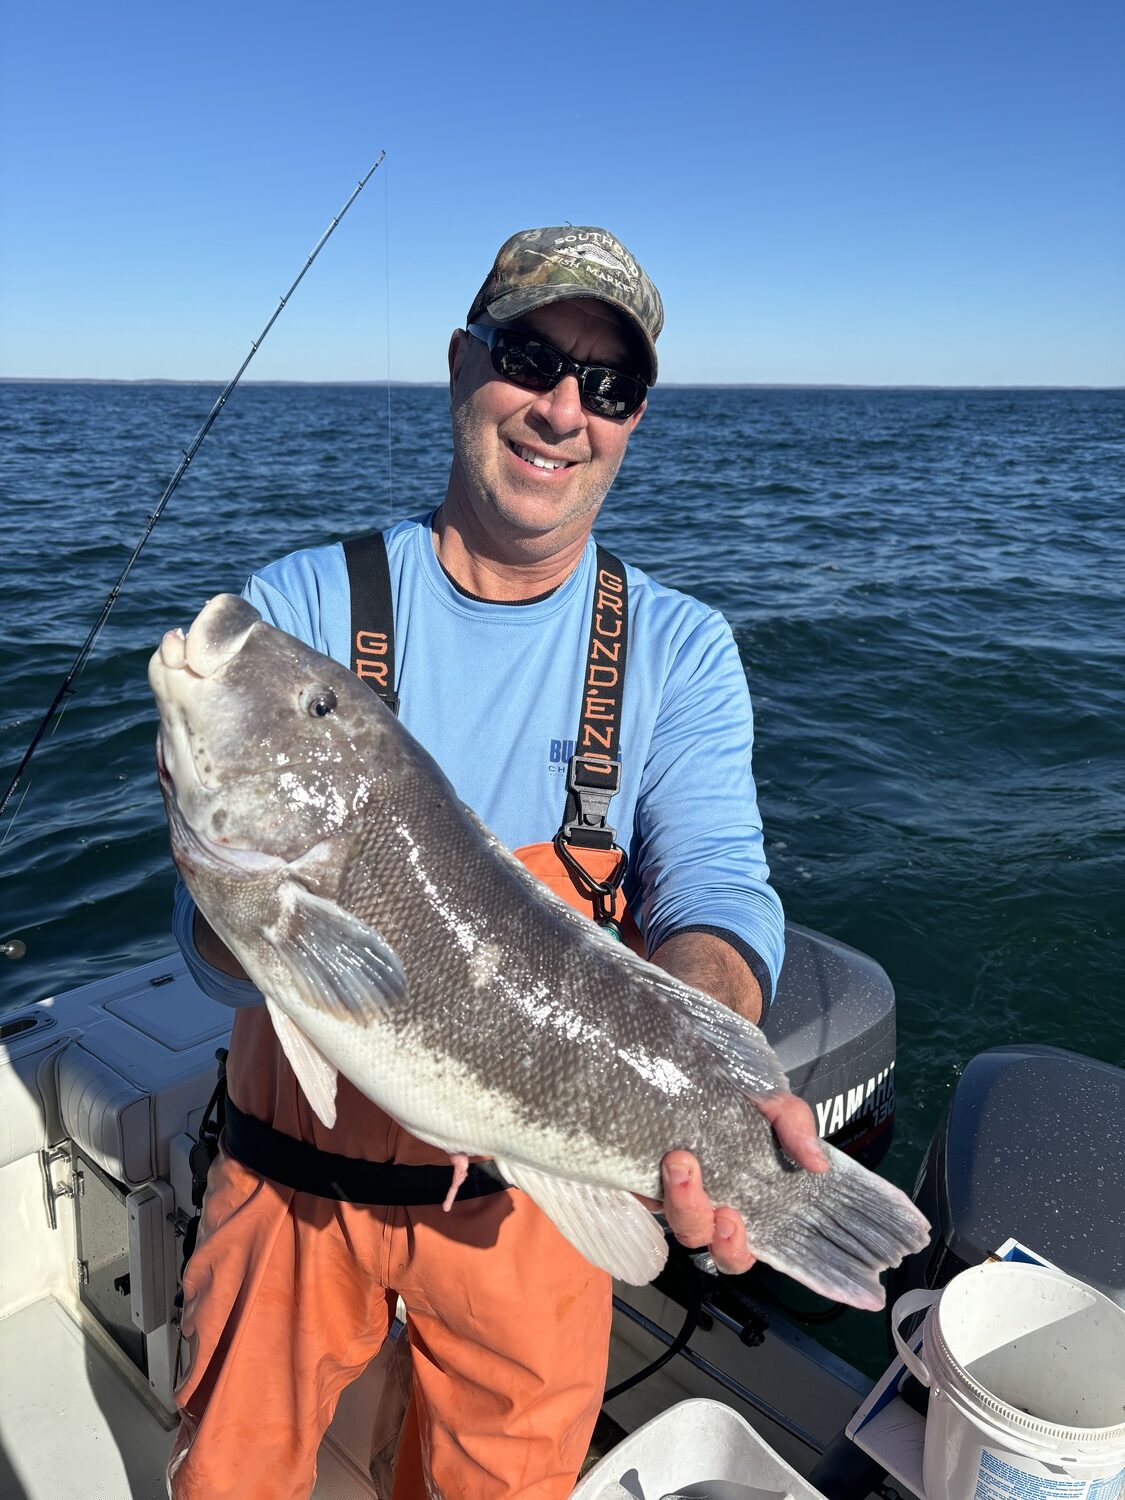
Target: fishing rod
<point>182,468</point>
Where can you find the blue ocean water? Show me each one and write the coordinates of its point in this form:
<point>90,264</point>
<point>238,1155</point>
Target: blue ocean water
<point>927,588</point>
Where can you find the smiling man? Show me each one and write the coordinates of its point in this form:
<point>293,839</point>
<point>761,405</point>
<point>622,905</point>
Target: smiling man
<point>566,696</point>
<point>529,476</point>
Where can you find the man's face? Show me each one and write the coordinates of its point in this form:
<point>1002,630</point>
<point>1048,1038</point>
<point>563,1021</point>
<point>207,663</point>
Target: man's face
<point>499,430</point>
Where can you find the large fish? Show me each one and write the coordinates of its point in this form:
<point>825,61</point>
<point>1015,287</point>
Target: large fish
<point>398,942</point>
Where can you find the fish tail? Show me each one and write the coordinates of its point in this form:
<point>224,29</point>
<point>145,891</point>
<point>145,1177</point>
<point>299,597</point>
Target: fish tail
<point>840,1229</point>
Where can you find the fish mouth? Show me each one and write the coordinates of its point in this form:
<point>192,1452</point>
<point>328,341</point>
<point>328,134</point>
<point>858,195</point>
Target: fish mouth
<point>216,636</point>
<point>177,671</point>
<point>177,769</point>
<point>163,775</point>
<point>179,667</point>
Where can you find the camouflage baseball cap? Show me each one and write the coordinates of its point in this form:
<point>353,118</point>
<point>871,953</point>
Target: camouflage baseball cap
<point>539,266</point>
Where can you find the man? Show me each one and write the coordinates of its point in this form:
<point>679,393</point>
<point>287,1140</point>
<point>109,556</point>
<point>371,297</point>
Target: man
<point>289,1292</point>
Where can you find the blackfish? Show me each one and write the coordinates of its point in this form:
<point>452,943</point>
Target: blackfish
<point>398,942</point>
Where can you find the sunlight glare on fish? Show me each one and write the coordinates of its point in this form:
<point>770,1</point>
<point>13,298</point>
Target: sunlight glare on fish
<point>661,1072</point>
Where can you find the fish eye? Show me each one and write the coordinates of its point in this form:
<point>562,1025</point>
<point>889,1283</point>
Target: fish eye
<point>318,702</point>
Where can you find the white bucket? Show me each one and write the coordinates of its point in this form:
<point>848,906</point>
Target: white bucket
<point>1026,1370</point>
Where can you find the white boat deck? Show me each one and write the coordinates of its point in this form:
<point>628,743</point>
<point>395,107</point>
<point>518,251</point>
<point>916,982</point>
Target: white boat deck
<point>76,1418</point>
<point>118,1071</point>
<point>70,1421</point>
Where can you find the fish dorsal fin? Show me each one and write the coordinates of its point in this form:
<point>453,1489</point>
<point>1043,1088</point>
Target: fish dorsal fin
<point>337,963</point>
<point>745,1058</point>
<point>609,1226</point>
<point>315,1073</point>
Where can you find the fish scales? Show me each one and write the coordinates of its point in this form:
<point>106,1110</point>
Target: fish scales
<point>396,941</point>
<point>536,1003</point>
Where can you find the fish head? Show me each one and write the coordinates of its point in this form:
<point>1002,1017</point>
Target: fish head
<point>268,752</point>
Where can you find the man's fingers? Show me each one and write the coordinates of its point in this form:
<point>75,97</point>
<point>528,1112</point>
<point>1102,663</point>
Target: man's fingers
<point>695,1223</point>
<point>729,1250</point>
<point>795,1127</point>
<point>688,1210</point>
<point>686,1205</point>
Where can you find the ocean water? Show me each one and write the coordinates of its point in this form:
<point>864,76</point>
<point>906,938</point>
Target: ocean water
<point>927,589</point>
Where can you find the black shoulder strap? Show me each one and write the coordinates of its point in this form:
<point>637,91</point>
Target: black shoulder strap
<point>373,619</point>
<point>594,773</point>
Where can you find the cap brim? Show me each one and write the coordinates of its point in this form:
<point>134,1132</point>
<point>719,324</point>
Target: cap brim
<point>525,299</point>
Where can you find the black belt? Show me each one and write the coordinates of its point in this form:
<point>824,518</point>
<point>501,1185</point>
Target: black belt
<point>297,1164</point>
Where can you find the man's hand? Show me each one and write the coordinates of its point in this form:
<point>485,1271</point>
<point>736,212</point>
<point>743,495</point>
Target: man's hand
<point>690,1214</point>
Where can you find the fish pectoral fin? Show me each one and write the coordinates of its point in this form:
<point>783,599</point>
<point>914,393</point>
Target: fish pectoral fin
<point>745,1058</point>
<point>315,1073</point>
<point>610,1227</point>
<point>337,963</point>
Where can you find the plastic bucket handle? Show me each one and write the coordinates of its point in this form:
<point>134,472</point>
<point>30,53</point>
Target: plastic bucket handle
<point>906,1305</point>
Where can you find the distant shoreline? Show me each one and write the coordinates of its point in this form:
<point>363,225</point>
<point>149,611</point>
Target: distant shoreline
<point>665,385</point>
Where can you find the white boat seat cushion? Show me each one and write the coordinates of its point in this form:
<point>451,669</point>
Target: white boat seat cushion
<point>107,1116</point>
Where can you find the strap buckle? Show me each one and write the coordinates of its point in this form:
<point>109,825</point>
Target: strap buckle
<point>200,1158</point>
<point>585,821</point>
<point>585,826</point>
<point>211,1126</point>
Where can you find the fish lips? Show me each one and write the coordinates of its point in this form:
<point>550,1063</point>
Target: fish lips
<point>177,670</point>
<point>217,634</point>
<point>176,767</point>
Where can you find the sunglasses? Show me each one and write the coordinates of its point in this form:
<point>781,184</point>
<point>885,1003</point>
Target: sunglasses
<point>529,362</point>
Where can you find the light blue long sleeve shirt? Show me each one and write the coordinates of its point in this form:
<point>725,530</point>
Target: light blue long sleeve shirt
<point>494,692</point>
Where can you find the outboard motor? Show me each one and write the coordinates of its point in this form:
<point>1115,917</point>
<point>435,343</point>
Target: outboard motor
<point>832,1024</point>
<point>1032,1148</point>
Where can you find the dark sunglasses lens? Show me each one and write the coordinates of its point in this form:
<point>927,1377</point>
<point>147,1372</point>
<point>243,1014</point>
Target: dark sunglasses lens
<point>527,362</point>
<point>609,393</point>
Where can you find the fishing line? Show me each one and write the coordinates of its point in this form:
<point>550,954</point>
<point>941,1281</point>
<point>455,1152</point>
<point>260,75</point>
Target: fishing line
<point>87,646</point>
<point>387,309</point>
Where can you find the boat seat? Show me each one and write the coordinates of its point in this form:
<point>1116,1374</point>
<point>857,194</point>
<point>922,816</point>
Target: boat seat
<point>140,1073</point>
<point>105,1115</point>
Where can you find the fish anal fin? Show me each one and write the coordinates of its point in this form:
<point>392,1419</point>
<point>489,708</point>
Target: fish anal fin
<point>315,1073</point>
<point>610,1227</point>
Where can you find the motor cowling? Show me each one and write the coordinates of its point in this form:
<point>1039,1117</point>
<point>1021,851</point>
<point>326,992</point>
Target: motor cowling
<point>1031,1148</point>
<point>832,1024</point>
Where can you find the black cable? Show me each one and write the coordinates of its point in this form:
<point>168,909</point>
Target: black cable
<point>691,1322</point>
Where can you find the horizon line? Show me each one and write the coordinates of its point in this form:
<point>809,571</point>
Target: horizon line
<point>668,385</point>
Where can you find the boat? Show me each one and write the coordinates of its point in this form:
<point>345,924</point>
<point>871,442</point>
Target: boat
<point>103,1094</point>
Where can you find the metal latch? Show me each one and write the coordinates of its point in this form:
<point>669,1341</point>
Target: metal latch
<point>70,1187</point>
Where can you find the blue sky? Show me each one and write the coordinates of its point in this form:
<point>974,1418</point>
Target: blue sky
<point>829,191</point>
